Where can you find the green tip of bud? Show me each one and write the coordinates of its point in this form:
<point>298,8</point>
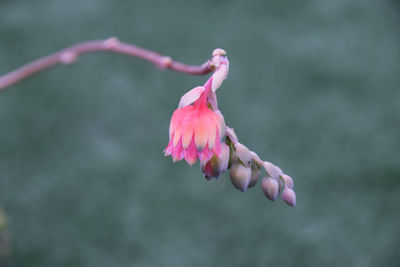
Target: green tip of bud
<point>270,188</point>
<point>240,176</point>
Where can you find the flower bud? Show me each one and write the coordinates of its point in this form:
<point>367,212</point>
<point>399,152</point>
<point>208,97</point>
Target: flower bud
<point>271,169</point>
<point>289,196</point>
<point>216,166</point>
<point>255,174</point>
<point>287,180</point>
<point>219,52</point>
<point>240,176</point>
<point>270,188</point>
<point>243,154</point>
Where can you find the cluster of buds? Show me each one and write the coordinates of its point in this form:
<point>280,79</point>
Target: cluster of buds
<point>198,131</point>
<point>246,168</point>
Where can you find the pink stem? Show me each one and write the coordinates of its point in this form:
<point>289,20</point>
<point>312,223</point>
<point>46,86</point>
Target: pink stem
<point>70,55</point>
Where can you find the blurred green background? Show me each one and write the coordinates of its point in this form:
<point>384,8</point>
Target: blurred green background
<point>313,87</point>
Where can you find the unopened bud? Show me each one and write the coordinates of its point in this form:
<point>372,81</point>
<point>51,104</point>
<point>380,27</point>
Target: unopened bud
<point>270,188</point>
<point>289,196</point>
<point>216,166</point>
<point>240,176</point>
<point>243,154</point>
<point>255,174</point>
<point>271,169</point>
<point>287,180</point>
<point>219,52</point>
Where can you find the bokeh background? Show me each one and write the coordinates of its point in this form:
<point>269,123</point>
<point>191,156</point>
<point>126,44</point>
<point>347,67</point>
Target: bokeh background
<point>313,87</point>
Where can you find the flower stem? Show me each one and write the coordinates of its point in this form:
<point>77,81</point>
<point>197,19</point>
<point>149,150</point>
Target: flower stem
<point>71,54</point>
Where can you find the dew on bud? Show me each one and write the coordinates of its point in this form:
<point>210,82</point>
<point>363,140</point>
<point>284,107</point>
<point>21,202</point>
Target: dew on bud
<point>243,154</point>
<point>270,188</point>
<point>289,196</point>
<point>240,176</point>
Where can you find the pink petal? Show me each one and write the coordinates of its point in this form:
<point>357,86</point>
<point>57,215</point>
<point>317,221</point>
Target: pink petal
<point>201,132</point>
<point>177,152</point>
<point>168,149</point>
<point>218,77</point>
<point>217,147</point>
<point>191,96</point>
<point>205,155</point>
<point>187,134</point>
<point>191,153</point>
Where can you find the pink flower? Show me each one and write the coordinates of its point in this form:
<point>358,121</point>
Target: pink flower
<point>196,130</point>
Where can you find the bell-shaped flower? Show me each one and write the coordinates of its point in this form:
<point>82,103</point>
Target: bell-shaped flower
<point>195,129</point>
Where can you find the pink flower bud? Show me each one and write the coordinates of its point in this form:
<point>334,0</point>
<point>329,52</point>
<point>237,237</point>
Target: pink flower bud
<point>289,196</point>
<point>219,52</point>
<point>255,174</point>
<point>216,165</point>
<point>240,176</point>
<point>270,188</point>
<point>288,181</point>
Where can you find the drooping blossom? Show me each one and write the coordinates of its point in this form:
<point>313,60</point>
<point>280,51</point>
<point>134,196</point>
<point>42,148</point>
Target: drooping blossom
<point>197,126</point>
<point>196,130</point>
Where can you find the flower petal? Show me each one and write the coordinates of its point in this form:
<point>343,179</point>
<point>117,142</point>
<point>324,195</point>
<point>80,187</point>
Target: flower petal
<point>187,134</point>
<point>217,147</point>
<point>191,153</point>
<point>212,133</point>
<point>168,149</point>
<point>191,96</point>
<point>205,155</point>
<point>201,132</point>
<point>218,77</point>
<point>177,152</point>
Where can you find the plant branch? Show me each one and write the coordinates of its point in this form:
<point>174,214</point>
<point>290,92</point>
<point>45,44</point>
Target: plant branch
<point>71,54</point>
